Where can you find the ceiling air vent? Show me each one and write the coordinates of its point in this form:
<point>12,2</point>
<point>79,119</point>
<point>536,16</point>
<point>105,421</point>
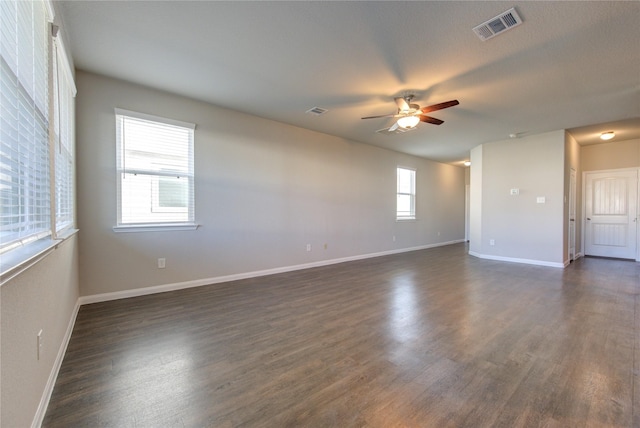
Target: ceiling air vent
<point>317,111</point>
<point>503,22</point>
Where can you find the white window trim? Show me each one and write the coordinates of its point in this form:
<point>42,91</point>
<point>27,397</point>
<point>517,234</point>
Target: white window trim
<point>153,118</point>
<point>160,227</point>
<point>18,260</point>
<point>58,53</point>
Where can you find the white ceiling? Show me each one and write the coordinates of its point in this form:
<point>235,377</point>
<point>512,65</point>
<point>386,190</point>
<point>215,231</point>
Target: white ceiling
<point>569,65</point>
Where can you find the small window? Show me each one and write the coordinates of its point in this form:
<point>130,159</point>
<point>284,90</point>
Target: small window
<point>155,170</point>
<point>406,196</point>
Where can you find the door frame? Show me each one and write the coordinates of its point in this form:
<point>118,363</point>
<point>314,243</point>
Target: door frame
<point>583,214</point>
<point>573,183</point>
<point>467,215</point>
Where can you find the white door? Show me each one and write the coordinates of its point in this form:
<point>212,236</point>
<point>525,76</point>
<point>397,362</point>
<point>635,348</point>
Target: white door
<point>572,215</point>
<point>610,214</point>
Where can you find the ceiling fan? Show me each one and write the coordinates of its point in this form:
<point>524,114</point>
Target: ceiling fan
<point>409,115</point>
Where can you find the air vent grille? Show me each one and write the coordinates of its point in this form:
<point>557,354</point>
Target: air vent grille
<point>494,26</point>
<point>317,111</point>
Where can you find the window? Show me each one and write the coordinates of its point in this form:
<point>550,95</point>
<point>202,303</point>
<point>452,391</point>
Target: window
<point>63,139</point>
<point>24,121</point>
<point>36,136</point>
<point>155,171</point>
<point>406,195</point>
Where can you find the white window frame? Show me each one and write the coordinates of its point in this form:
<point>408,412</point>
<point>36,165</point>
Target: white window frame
<point>122,170</point>
<point>411,193</point>
<point>62,140</point>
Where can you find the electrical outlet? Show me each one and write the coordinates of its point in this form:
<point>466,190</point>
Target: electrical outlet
<point>308,247</point>
<point>39,344</point>
<point>492,242</point>
<point>394,238</point>
<point>162,263</point>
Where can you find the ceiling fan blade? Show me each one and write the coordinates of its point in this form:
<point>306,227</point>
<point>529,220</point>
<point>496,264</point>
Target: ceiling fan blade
<point>402,104</point>
<point>378,117</point>
<point>393,127</point>
<point>440,106</point>
<point>431,120</point>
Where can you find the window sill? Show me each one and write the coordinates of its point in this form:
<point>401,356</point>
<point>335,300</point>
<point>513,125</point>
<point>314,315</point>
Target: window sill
<point>16,261</point>
<point>404,220</point>
<point>154,228</point>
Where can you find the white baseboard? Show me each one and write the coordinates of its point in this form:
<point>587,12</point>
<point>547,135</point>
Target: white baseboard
<point>517,260</point>
<point>104,297</point>
<point>51,382</point>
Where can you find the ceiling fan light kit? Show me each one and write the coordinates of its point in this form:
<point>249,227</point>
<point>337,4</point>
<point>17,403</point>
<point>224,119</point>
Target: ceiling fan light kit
<point>408,121</point>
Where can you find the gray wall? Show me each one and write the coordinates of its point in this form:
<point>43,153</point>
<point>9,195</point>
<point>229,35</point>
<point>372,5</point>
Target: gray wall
<point>544,163</point>
<point>264,190</point>
<point>523,230</point>
<point>611,155</point>
<point>475,201</point>
<point>41,298</point>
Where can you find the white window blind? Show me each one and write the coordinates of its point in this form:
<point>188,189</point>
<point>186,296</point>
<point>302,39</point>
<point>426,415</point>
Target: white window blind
<point>406,194</point>
<point>63,138</point>
<point>155,170</point>
<point>25,212</point>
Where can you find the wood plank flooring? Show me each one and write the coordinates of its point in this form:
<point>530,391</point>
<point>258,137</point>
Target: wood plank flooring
<point>432,338</point>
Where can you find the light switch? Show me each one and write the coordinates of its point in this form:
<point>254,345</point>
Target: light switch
<point>515,192</point>
<point>541,199</point>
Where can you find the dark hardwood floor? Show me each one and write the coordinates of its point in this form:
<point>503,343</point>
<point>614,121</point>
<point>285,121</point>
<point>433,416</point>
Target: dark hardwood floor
<point>431,338</point>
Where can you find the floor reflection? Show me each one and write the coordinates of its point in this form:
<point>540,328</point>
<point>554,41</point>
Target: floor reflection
<point>421,312</point>
<point>404,314</point>
<point>152,379</point>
